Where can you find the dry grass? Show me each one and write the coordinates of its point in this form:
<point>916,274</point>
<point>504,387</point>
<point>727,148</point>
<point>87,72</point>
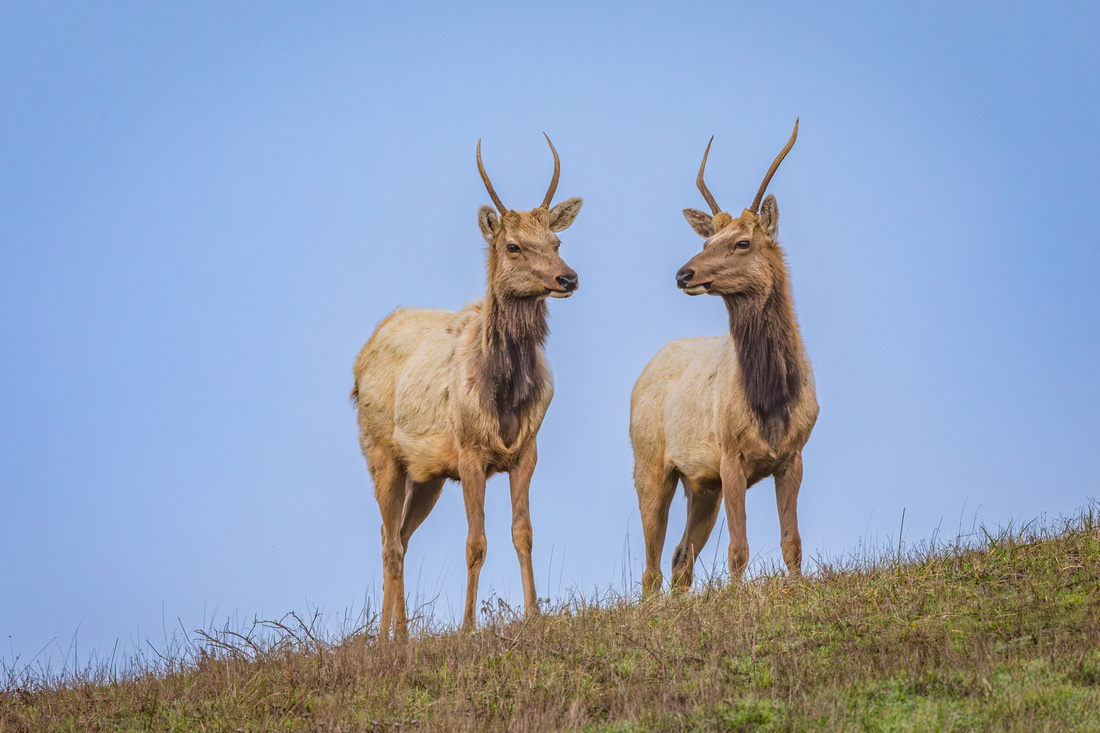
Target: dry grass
<point>1000,634</point>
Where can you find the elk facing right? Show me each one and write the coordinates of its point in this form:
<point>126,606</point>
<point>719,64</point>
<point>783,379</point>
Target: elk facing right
<point>723,412</point>
<point>445,395</point>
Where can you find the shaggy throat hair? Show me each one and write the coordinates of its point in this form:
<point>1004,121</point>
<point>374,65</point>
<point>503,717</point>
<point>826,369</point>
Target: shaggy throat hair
<point>515,332</point>
<point>770,368</point>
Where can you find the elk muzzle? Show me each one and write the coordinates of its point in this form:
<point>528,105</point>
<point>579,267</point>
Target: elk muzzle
<point>684,278</point>
<point>567,281</point>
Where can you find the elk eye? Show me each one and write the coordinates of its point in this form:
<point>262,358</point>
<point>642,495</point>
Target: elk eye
<point>513,248</point>
<point>743,244</point>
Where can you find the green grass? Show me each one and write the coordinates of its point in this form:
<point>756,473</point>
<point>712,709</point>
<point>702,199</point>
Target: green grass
<point>999,635</point>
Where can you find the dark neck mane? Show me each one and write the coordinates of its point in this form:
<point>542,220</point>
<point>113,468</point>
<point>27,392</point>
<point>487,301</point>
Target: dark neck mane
<point>770,362</point>
<point>512,378</point>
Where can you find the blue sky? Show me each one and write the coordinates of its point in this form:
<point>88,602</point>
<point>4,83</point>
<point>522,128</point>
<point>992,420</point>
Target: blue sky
<point>205,208</point>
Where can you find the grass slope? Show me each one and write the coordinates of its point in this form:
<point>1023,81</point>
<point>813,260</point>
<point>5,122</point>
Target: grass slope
<point>1001,635</point>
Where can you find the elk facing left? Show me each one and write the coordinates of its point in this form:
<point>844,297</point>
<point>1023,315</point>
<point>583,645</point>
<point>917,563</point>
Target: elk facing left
<point>461,395</point>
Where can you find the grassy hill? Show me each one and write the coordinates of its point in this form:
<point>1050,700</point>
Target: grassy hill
<point>1002,633</point>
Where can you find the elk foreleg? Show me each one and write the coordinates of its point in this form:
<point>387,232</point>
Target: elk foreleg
<point>734,487</point>
<point>519,479</point>
<point>472,474</point>
<point>787,483</point>
<point>702,512</point>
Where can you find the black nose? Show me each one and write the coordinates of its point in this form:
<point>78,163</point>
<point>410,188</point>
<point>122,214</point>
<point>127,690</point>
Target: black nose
<point>683,277</point>
<point>568,282</point>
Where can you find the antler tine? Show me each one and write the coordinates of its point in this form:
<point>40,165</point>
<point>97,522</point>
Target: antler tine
<point>714,207</point>
<point>774,168</point>
<point>485,179</point>
<point>553,181</point>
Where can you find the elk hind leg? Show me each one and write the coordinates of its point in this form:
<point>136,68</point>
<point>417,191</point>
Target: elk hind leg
<point>655,491</point>
<point>702,512</point>
<point>389,489</point>
<point>787,483</point>
<point>420,499</point>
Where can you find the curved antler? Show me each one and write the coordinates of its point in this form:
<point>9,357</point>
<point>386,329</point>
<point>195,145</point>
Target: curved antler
<point>775,166</point>
<point>714,207</point>
<point>553,181</point>
<point>485,179</point>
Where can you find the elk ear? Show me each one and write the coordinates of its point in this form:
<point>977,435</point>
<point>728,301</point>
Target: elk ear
<point>700,222</point>
<point>489,222</point>
<point>769,216</point>
<point>562,215</point>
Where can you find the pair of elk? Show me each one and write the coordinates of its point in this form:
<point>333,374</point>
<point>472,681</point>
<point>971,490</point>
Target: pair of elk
<point>445,395</point>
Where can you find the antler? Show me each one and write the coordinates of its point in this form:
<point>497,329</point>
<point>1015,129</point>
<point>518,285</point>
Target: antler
<point>553,181</point>
<point>771,171</point>
<point>488,185</point>
<point>714,207</point>
<point>549,193</point>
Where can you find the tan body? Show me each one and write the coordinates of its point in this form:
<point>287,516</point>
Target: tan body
<point>693,384</point>
<point>688,421</point>
<point>722,413</point>
<point>421,422</point>
<point>419,399</point>
<point>445,395</point>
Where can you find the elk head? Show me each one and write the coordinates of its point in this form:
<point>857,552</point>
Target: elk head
<point>523,245</point>
<point>739,255</point>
